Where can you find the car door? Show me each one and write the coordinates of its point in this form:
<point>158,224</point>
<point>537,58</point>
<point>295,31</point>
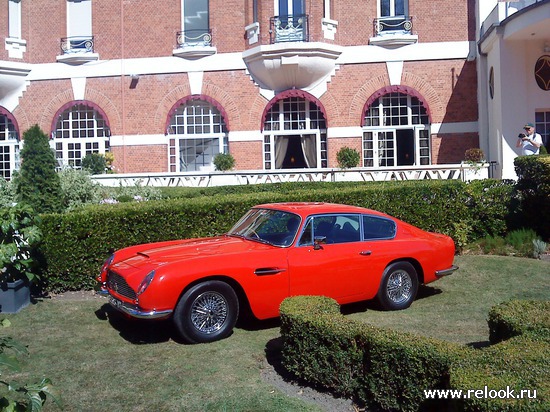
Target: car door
<point>330,259</point>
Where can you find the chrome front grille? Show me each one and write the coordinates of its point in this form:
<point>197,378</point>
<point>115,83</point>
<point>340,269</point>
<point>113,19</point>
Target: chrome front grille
<point>116,283</point>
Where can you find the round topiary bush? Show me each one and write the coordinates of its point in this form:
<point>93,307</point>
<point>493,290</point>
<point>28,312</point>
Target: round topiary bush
<point>224,162</point>
<point>347,158</point>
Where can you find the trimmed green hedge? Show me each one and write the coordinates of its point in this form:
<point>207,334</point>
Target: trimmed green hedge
<point>532,194</point>
<point>390,370</point>
<point>519,317</point>
<point>76,243</point>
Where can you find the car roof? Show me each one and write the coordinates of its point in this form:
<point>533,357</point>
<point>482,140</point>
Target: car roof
<point>311,208</point>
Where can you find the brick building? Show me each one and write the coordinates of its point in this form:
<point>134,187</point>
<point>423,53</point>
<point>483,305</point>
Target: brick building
<point>165,86</point>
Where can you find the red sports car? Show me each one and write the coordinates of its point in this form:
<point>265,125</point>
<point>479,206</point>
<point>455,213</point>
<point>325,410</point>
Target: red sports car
<point>274,251</point>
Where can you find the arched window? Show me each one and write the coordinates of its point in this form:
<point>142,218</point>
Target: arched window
<point>81,128</point>
<point>199,134</point>
<point>9,145</point>
<point>295,134</point>
<point>396,132</point>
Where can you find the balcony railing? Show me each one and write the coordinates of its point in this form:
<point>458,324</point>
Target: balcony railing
<point>77,44</point>
<point>194,38</point>
<point>289,28</point>
<point>401,24</point>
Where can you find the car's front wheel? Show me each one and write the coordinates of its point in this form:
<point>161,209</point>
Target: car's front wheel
<point>398,286</point>
<point>207,312</point>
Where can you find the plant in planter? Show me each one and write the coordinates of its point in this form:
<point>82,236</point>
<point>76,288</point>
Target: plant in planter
<point>15,396</point>
<point>474,155</point>
<point>224,162</point>
<point>19,237</point>
<point>475,159</point>
<point>347,158</point>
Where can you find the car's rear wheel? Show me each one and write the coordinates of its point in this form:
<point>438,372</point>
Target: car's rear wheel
<point>398,287</point>
<point>207,312</point>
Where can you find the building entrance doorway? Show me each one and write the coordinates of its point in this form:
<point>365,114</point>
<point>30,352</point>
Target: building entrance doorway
<point>405,147</point>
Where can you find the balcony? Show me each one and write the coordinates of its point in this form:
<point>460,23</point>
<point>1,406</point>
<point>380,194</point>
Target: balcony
<point>394,31</point>
<point>288,29</point>
<point>194,44</point>
<point>77,50</point>
<point>291,60</point>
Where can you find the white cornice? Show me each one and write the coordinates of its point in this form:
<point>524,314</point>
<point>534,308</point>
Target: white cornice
<point>234,61</point>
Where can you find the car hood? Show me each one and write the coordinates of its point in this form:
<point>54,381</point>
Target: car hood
<point>155,255</point>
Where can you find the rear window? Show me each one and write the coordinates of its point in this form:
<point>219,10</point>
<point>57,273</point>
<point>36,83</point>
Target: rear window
<point>375,227</point>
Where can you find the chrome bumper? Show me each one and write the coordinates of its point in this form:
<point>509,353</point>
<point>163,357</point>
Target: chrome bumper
<point>446,272</point>
<point>134,310</point>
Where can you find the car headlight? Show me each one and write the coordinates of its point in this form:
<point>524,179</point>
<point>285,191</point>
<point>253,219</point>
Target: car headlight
<point>145,282</point>
<point>106,264</point>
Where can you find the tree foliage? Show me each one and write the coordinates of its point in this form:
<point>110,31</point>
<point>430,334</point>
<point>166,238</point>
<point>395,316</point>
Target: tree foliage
<point>37,183</point>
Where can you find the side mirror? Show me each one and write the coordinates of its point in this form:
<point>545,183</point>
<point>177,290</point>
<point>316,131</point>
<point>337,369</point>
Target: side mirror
<point>318,240</point>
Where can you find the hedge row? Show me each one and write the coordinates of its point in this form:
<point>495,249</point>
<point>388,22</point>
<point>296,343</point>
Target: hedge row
<point>75,244</point>
<point>390,370</point>
<point>532,193</point>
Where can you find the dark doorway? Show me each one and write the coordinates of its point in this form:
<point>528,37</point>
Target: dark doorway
<point>294,158</point>
<point>405,147</point>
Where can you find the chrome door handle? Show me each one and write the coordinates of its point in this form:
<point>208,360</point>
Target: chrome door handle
<point>366,252</point>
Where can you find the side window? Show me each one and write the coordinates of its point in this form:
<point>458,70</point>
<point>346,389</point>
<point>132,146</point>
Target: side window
<point>347,229</point>
<point>375,227</point>
<point>332,229</point>
<point>307,237</point>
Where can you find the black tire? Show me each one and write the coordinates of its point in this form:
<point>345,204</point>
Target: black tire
<point>207,312</point>
<point>398,287</point>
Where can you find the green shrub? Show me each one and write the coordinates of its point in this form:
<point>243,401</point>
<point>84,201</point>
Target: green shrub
<point>94,163</point>
<point>389,371</point>
<point>521,242</point>
<point>78,189</point>
<point>532,194</point>
<point>7,193</point>
<point>224,162</point>
<point>19,238</point>
<point>519,317</point>
<point>348,158</point>
<point>37,183</point>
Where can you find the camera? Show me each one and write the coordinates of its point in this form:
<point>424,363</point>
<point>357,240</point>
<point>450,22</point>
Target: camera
<point>521,136</point>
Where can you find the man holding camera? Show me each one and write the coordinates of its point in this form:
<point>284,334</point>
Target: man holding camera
<point>530,143</point>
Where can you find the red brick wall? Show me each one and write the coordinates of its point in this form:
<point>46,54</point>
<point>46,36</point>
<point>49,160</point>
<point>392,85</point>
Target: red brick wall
<point>148,29</point>
<point>450,148</point>
<point>140,159</point>
<point>334,146</point>
<point>247,155</point>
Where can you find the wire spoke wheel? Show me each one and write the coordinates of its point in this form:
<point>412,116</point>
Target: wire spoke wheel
<point>209,312</point>
<point>399,287</point>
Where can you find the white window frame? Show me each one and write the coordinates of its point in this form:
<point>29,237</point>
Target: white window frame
<point>422,143</point>
<point>182,129</point>
<point>283,127</point>
<point>392,8</point>
<point>79,18</point>
<point>9,142</point>
<point>14,19</point>
<point>65,147</point>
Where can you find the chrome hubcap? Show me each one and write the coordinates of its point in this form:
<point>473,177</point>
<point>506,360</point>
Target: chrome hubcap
<point>209,312</point>
<point>399,287</point>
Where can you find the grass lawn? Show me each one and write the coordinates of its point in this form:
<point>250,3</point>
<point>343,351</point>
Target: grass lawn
<point>100,362</point>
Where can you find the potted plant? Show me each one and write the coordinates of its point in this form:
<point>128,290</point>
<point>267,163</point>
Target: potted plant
<point>19,237</point>
<point>474,159</point>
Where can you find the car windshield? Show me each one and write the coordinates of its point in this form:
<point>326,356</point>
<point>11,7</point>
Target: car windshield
<point>274,227</point>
